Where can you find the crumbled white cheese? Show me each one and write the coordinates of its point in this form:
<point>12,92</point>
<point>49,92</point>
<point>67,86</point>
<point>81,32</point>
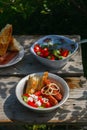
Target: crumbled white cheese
<point>38,103</point>
<point>34,97</point>
<point>30,99</point>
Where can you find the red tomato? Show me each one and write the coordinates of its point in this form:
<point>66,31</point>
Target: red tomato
<point>31,104</point>
<point>51,57</point>
<point>37,48</point>
<point>39,53</point>
<point>45,49</point>
<point>48,105</point>
<point>38,93</point>
<point>40,99</point>
<point>64,53</point>
<point>26,94</point>
<point>45,52</point>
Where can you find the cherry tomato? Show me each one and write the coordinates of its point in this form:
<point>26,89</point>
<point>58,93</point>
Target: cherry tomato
<point>45,52</point>
<point>38,93</point>
<point>45,49</point>
<point>40,99</point>
<point>64,53</point>
<point>26,95</point>
<point>39,53</point>
<point>31,104</point>
<point>37,48</point>
<point>51,57</point>
<point>48,105</point>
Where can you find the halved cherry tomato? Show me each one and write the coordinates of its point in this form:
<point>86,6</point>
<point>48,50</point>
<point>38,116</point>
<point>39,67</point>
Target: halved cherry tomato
<point>31,104</point>
<point>64,53</point>
<point>51,57</point>
<point>39,53</point>
<point>26,95</point>
<point>45,52</point>
<point>37,48</point>
<point>48,105</point>
<point>40,99</point>
<point>38,93</point>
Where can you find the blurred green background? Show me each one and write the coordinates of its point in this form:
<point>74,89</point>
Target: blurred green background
<point>45,16</point>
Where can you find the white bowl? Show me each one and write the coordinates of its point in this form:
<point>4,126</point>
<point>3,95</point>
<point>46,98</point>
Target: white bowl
<point>62,42</point>
<point>63,88</point>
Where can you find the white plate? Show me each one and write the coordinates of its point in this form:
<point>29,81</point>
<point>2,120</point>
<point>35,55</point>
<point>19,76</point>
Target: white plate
<point>16,59</point>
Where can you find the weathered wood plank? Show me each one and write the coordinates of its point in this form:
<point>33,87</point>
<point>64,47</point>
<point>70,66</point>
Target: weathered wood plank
<point>73,111</point>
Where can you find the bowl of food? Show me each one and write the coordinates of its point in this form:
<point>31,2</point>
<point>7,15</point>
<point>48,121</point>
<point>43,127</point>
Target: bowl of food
<point>54,50</point>
<point>42,92</point>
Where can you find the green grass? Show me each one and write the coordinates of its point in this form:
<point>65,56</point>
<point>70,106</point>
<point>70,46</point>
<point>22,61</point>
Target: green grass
<point>42,127</point>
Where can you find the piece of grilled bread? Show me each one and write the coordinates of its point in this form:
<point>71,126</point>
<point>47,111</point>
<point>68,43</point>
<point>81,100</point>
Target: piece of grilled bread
<point>32,84</point>
<point>14,45</point>
<point>35,82</point>
<point>5,38</point>
<point>42,80</point>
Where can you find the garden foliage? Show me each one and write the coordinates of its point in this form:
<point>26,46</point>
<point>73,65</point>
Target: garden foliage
<point>45,16</point>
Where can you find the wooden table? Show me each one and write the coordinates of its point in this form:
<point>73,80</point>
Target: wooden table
<point>74,111</point>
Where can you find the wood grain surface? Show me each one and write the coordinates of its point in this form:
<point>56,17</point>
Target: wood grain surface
<point>73,111</point>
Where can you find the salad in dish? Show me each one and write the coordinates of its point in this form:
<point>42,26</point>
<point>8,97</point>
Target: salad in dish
<point>42,92</point>
<point>50,50</point>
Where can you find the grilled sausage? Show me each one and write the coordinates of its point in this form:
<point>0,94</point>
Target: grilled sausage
<point>52,99</point>
<point>58,95</point>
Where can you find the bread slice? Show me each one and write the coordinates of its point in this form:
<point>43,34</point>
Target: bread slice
<point>32,84</point>
<point>5,38</point>
<point>42,80</point>
<point>35,83</point>
<point>14,45</point>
